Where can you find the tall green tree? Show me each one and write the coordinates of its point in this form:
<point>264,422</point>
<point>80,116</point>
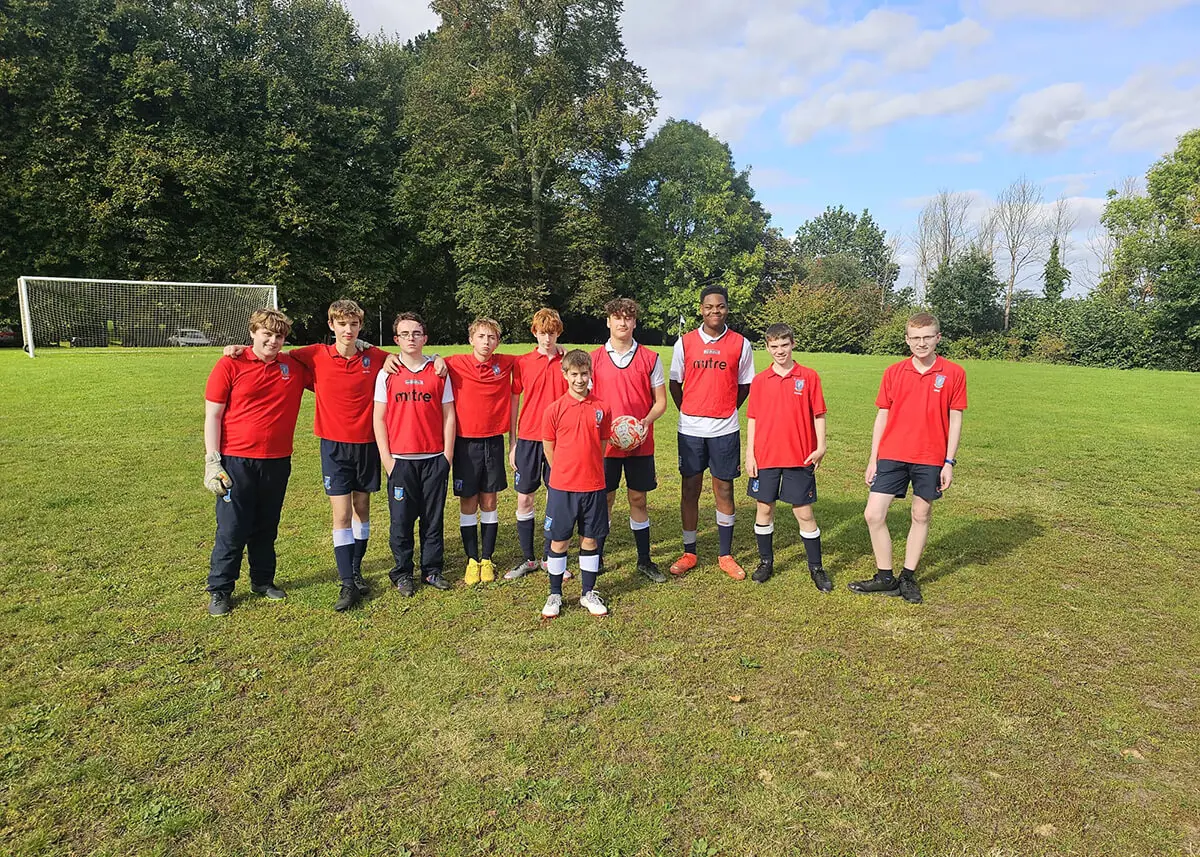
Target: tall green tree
<point>838,232</point>
<point>1156,263</point>
<point>1055,276</point>
<point>693,221</point>
<point>964,294</point>
<point>518,114</point>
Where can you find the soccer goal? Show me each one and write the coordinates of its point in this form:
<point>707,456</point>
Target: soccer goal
<point>61,311</point>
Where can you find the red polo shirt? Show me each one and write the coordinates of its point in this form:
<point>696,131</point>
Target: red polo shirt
<point>784,408</point>
<point>579,430</point>
<point>541,380</point>
<point>483,393</point>
<point>345,389</point>
<point>919,406</point>
<point>262,401</point>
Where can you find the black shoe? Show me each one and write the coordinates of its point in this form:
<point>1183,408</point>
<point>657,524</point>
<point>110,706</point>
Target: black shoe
<point>877,584</point>
<point>764,571</point>
<point>909,589</point>
<point>220,603</point>
<point>820,579</point>
<point>361,584</point>
<point>650,571</point>
<point>270,590</point>
<point>348,598</point>
<point>405,585</point>
<point>438,582</point>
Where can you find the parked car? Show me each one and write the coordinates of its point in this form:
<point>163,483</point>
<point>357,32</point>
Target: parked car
<point>8,337</point>
<point>188,336</point>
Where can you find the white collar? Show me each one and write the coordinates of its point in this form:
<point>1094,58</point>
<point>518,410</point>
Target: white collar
<point>608,346</point>
<point>709,339</point>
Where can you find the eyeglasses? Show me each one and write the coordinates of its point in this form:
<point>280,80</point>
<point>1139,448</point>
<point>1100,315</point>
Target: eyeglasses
<point>921,340</point>
<point>410,334</point>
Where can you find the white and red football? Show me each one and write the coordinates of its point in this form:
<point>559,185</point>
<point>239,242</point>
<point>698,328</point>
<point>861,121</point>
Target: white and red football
<point>628,432</point>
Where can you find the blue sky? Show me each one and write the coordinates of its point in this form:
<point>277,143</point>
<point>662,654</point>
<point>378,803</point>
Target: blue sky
<point>880,106</point>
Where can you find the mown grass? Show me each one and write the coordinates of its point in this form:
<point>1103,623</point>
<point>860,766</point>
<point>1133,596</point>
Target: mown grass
<point>1043,700</point>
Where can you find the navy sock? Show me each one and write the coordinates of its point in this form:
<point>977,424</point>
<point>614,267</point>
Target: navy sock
<point>525,537</point>
<point>725,536</point>
<point>642,539</point>
<point>587,582</point>
<point>489,539</point>
<point>812,550</point>
<point>689,541</point>
<point>600,548</point>
<point>766,546</point>
<point>546,549</point>
<point>344,555</point>
<point>556,579</point>
<point>360,550</point>
<point>470,540</point>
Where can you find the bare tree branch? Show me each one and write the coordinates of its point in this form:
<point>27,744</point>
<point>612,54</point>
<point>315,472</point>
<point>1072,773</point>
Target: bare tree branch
<point>1021,228</point>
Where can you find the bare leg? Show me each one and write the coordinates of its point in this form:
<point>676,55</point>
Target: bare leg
<point>876,516</point>
<point>918,532</point>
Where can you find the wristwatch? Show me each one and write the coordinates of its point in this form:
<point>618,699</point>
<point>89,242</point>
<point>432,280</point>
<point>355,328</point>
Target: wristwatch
<point>952,461</point>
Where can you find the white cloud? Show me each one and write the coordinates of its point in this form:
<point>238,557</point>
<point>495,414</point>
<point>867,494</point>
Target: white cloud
<point>1073,184</point>
<point>1080,10</point>
<point>1145,113</point>
<point>868,109</point>
<point>730,122</point>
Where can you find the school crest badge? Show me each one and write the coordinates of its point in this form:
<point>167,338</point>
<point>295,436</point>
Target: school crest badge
<point>549,523</point>
<point>799,386</point>
<point>599,416</point>
<point>366,362</point>
<point>939,381</point>
<point>328,482</point>
<point>398,493</point>
<point>284,370</point>
<point>495,368</point>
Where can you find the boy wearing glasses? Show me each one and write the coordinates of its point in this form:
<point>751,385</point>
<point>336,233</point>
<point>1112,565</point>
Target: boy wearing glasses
<point>413,421</point>
<point>921,402</point>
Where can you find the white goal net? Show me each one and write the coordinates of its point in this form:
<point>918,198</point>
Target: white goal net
<point>58,311</point>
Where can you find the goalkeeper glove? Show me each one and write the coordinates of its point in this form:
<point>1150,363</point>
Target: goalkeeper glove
<point>216,479</point>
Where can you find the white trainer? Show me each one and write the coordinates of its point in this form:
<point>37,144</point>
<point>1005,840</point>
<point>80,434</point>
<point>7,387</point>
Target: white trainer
<point>553,607</point>
<point>521,569</point>
<point>594,604</point>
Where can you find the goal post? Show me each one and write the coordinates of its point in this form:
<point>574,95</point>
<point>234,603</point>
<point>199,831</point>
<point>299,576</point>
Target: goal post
<point>89,313</point>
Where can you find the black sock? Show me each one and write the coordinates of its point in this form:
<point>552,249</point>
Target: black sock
<point>600,548</point>
<point>689,542</point>
<point>812,549</point>
<point>908,572</point>
<point>555,579</point>
<point>642,539</point>
<point>766,545</point>
<point>885,574</point>
<point>525,537</point>
<point>470,540</point>
<point>360,550</point>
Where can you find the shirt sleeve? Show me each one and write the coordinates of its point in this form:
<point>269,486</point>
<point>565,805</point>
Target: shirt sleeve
<point>381,387</point>
<point>746,364</point>
<point>447,391</point>
<point>752,400</point>
<point>220,382</point>
<point>677,361</point>
<point>518,384</point>
<point>884,399</point>
<point>656,374</point>
<point>304,355</point>
<point>958,397</point>
<point>549,426</point>
<point>605,422</point>
<point>817,399</point>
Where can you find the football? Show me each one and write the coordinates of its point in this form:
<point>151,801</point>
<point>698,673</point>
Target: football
<point>628,432</point>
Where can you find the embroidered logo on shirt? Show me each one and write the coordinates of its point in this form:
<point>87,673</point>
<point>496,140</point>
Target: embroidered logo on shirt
<point>366,362</point>
<point>939,381</point>
<point>599,417</point>
<point>283,370</point>
<point>799,385</point>
<point>398,493</point>
<point>495,368</point>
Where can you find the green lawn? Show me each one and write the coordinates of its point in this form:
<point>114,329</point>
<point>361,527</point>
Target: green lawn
<point>1043,700</point>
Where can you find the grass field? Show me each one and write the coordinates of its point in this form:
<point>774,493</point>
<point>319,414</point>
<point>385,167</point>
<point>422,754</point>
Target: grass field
<point>1043,700</point>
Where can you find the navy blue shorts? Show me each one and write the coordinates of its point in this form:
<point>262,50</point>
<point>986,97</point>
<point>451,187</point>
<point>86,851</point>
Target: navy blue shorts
<point>893,477</point>
<point>348,467</point>
<point>720,456</point>
<point>479,465</point>
<point>795,485</point>
<point>639,473</point>
<point>532,468</point>
<point>565,509</point>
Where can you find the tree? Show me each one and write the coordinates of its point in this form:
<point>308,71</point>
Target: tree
<point>1019,222</point>
<point>519,113</point>
<point>840,232</point>
<point>1156,256</point>
<point>963,294</point>
<point>694,221</point>
<point>942,233</point>
<point>1055,277</point>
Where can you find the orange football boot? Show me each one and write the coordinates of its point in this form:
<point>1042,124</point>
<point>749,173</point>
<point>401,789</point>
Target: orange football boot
<point>684,564</point>
<point>729,566</point>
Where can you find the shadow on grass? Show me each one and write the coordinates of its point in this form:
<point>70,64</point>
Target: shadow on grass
<point>976,543</point>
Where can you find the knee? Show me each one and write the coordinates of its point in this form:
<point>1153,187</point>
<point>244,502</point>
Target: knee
<point>922,514</point>
<point>637,500</point>
<point>691,487</point>
<point>875,517</point>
